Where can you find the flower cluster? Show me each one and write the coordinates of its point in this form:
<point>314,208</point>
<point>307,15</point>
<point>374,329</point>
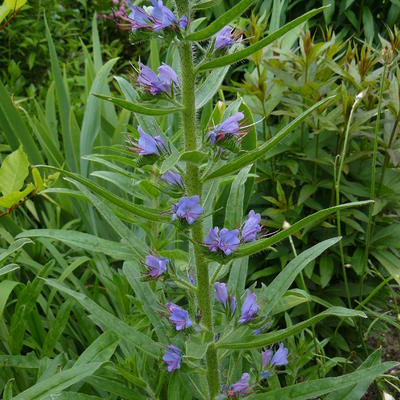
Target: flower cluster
<point>188,209</point>
<point>156,84</point>
<point>147,145</point>
<point>155,18</point>
<point>227,241</point>
<point>227,129</point>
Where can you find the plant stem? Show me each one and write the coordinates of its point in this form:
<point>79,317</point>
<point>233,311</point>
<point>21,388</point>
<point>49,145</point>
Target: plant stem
<point>193,185</point>
<point>372,188</point>
<point>386,161</point>
<point>337,187</point>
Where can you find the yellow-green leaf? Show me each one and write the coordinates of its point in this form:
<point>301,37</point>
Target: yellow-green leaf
<point>13,171</point>
<point>13,198</point>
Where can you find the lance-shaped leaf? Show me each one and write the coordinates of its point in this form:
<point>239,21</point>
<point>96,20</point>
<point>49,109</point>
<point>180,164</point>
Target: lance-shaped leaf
<point>221,21</point>
<point>319,387</point>
<point>137,108</point>
<point>259,245</point>
<point>107,320</point>
<point>13,171</point>
<point>230,59</point>
<point>243,338</point>
<point>58,382</point>
<point>249,157</point>
<point>141,211</point>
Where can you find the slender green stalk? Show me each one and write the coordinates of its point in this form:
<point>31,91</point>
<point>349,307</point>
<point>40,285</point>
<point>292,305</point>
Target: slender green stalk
<point>338,176</point>
<point>193,185</point>
<point>373,177</point>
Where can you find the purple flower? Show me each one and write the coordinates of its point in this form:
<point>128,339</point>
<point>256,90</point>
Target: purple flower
<point>262,329</point>
<point>278,359</point>
<point>188,209</point>
<point>240,386</point>
<point>156,84</point>
<point>179,317</point>
<point>173,358</point>
<point>156,265</point>
<point>266,357</point>
<point>183,22</point>
<point>138,18</point>
<point>229,127</point>
<point>212,239</point>
<point>225,240</point>
<point>163,17</point>
<point>224,38</point>
<point>249,308</point>
<point>229,241</point>
<point>221,293</point>
<point>251,227</point>
<point>280,356</point>
<point>173,178</point>
<point>147,145</point>
<point>233,304</point>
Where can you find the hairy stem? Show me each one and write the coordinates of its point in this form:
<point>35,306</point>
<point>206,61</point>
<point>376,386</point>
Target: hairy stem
<point>193,185</point>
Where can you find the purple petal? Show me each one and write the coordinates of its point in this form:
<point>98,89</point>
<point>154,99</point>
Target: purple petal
<point>266,357</point>
<point>147,145</point>
<point>280,356</point>
<point>242,385</point>
<point>221,293</point>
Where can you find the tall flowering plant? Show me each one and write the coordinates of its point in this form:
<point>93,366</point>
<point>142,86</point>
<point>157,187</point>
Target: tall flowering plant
<point>212,335</point>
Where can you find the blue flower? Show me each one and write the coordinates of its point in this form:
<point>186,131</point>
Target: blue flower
<point>251,227</point>
<point>229,240</point>
<point>173,178</point>
<point>240,386</point>
<point>224,38</point>
<point>229,127</point>
<point>249,308</point>
<point>138,18</point>
<point>156,265</point>
<point>156,84</point>
<point>147,145</point>
<point>278,359</point>
<point>262,329</point>
<point>188,209</point>
<point>179,317</point>
<point>173,358</point>
<point>163,17</point>
<point>221,293</point>
<point>225,240</point>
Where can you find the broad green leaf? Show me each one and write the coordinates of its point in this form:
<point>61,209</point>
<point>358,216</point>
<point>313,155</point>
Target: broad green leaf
<point>8,268</point>
<point>82,240</point>
<point>92,117</point>
<point>28,361</point>
<point>242,338</point>
<point>368,22</point>
<point>248,51</point>
<point>261,244</point>
<point>194,156</point>
<point>390,262</point>
<point>6,287</point>
<point>249,157</point>
<point>13,171</point>
<point>141,211</point>
<point>137,108</point>
<point>107,320</point>
<point>7,392</point>
<point>329,11</point>
<point>221,21</point>
<point>274,292</point>
<point>319,387</point>
<point>14,198</point>
<point>72,396</point>
<point>58,382</point>
<point>204,4</point>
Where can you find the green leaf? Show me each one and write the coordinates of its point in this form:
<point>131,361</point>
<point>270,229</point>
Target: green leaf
<point>92,117</point>
<point>221,21</point>
<point>105,319</point>
<point>242,338</point>
<point>15,246</point>
<point>390,262</point>
<point>137,108</point>
<point>262,244</point>
<point>319,387</point>
<point>274,292</point>
<point>13,171</point>
<point>141,211</point>
<point>6,287</point>
<point>326,269</point>
<point>85,241</point>
<point>58,382</point>
<point>194,156</point>
<point>8,268</point>
<point>368,22</point>
<point>7,393</point>
<point>329,11</point>
<point>248,51</point>
<point>14,198</point>
<point>249,157</point>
